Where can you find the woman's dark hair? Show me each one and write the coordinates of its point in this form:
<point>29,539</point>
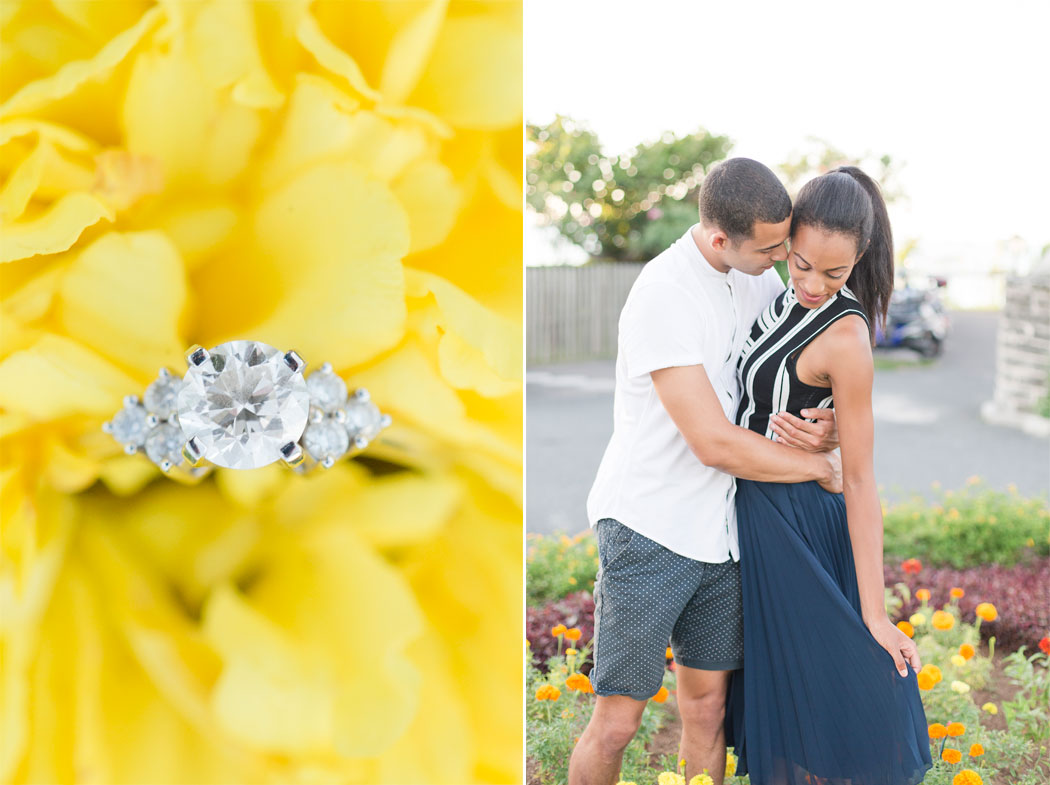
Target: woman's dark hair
<point>846,200</point>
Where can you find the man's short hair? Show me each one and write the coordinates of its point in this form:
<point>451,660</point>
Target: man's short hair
<point>738,192</point>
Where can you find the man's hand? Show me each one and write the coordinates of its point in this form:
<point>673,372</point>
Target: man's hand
<point>832,481</point>
<point>819,436</point>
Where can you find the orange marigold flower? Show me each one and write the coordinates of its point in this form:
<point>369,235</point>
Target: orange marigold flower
<point>925,681</point>
<point>987,611</point>
<point>967,651</point>
<point>976,750</point>
<point>548,692</point>
<point>937,731</point>
<point>967,777</point>
<point>956,592</point>
<point>942,620</point>
<point>573,634</point>
<point>906,628</point>
<point>1044,644</point>
<point>951,756</point>
<point>670,654</point>
<point>923,594</point>
<point>661,695</point>
<point>956,729</point>
<point>579,682</point>
<point>558,630</point>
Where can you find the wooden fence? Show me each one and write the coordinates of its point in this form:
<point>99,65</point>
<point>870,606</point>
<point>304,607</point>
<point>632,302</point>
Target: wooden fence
<point>571,312</point>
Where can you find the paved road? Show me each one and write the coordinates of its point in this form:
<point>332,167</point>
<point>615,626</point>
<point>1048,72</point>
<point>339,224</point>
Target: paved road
<point>927,428</point>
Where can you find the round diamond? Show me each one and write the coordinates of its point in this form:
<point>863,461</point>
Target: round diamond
<point>363,419</point>
<point>164,443</point>
<point>242,404</point>
<point>129,425</point>
<point>327,390</point>
<point>326,439</point>
<point>160,397</point>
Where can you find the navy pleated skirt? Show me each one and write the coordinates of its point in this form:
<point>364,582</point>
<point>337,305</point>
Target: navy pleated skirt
<point>818,701</point>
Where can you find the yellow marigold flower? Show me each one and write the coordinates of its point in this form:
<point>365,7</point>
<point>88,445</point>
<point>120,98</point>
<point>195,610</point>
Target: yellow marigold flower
<point>571,581</point>
<point>955,729</point>
<point>670,778</point>
<point>923,595</point>
<point>987,611</point>
<point>967,651</point>
<point>990,707</point>
<point>937,731</point>
<point>956,592</point>
<point>338,178</point>
<point>960,687</point>
<point>906,628</point>
<point>951,756</point>
<point>1030,542</point>
<point>573,634</point>
<point>701,779</point>
<point>621,782</point>
<point>942,620</point>
<point>958,660</point>
<point>661,695</point>
<point>917,619</point>
<point>558,629</point>
<point>976,750</point>
<point>730,764</point>
<point>967,777</point>
<point>570,652</point>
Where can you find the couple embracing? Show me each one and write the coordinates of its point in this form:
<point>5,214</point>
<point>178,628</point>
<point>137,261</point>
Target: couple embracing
<point>726,523</point>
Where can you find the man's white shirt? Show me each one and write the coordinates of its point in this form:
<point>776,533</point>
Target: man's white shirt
<point>680,311</point>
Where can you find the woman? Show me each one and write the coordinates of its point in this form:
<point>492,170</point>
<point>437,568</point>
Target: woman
<point>828,692</point>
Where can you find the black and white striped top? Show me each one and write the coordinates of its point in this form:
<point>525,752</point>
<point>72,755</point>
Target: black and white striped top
<point>768,379</point>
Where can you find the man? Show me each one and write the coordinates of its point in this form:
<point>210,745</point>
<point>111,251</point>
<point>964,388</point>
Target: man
<point>662,502</point>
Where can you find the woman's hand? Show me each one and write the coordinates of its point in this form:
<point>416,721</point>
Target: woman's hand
<point>819,436</point>
<point>900,646</point>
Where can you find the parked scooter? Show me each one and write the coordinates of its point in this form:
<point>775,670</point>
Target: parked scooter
<point>916,320</point>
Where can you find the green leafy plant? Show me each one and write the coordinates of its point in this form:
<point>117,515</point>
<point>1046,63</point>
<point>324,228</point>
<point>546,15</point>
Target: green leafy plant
<point>557,565</point>
<point>1029,711</point>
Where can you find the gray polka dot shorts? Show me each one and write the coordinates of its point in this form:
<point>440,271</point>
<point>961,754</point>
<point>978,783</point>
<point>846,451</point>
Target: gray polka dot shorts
<point>645,596</point>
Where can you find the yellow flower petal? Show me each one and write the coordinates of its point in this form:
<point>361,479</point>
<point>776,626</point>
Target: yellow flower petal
<point>55,230</point>
<point>405,509</point>
<point>222,40</point>
<point>408,51</point>
<point>432,200</point>
<point>72,75</point>
<point>58,376</point>
<point>201,137</point>
<point>335,238</point>
<point>123,296</point>
<point>473,78</point>
<point>332,57</point>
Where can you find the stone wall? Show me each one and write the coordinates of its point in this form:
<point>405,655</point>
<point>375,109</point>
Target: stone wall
<point>1023,355</point>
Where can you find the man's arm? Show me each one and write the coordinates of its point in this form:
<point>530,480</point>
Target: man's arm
<point>689,398</point>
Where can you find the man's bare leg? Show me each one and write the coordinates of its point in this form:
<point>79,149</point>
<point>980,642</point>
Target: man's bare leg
<point>702,705</point>
<point>598,755</point>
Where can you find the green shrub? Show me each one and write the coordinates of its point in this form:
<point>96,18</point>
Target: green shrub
<point>557,565</point>
<point>968,528</point>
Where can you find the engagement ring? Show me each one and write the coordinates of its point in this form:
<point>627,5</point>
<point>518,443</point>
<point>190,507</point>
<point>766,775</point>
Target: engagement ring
<point>242,405</point>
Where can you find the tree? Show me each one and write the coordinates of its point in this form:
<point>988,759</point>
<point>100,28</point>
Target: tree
<point>627,207</point>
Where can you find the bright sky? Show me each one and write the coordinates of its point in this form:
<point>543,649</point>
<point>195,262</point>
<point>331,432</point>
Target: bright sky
<point>958,92</point>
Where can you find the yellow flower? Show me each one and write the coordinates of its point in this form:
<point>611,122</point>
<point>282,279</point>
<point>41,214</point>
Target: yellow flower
<point>730,764</point>
<point>701,779</point>
<point>967,651</point>
<point>990,707</point>
<point>341,179</point>
<point>987,611</point>
<point>942,620</point>
<point>571,652</point>
<point>670,778</point>
<point>960,687</point>
<point>917,619</point>
<point>958,660</point>
<point>923,595</point>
